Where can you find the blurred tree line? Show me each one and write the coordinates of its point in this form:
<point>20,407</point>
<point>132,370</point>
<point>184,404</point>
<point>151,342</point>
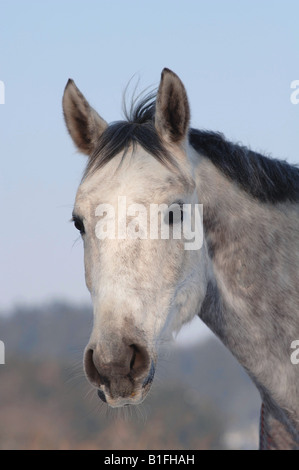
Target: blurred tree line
<point>199,395</point>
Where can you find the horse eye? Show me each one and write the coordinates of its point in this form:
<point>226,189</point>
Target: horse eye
<point>176,214</point>
<point>79,224</point>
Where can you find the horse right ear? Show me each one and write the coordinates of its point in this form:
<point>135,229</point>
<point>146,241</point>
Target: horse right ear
<point>83,122</point>
<point>172,108</point>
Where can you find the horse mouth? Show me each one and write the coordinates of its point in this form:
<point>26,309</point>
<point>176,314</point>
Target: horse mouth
<point>136,397</point>
<point>102,396</point>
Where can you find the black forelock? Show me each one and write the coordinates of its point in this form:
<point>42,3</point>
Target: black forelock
<point>138,128</point>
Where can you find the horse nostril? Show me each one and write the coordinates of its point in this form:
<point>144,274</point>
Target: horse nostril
<point>139,360</point>
<point>90,368</point>
<point>133,358</point>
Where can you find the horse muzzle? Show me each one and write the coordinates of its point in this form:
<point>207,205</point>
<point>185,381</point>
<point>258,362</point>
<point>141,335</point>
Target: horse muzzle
<point>135,398</point>
<point>123,374</point>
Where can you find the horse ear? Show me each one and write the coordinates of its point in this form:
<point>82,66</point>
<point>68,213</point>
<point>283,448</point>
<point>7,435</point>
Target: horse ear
<point>172,108</point>
<point>83,122</point>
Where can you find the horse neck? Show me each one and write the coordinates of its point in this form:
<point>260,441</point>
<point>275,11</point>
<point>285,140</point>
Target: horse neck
<point>244,304</point>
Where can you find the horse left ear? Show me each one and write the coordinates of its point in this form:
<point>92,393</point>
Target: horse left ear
<point>172,115</point>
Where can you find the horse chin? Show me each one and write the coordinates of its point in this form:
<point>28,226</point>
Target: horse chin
<point>122,402</point>
<point>135,399</point>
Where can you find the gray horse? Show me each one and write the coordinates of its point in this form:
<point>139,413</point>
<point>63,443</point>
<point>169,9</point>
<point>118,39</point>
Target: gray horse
<point>243,281</point>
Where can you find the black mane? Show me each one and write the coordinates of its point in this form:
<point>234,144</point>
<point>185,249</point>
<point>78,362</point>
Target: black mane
<point>266,179</point>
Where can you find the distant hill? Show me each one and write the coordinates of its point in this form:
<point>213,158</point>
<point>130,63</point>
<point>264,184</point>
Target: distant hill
<point>55,330</point>
<point>201,395</point>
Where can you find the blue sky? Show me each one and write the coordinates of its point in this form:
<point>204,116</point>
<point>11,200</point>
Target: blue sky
<point>236,58</point>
